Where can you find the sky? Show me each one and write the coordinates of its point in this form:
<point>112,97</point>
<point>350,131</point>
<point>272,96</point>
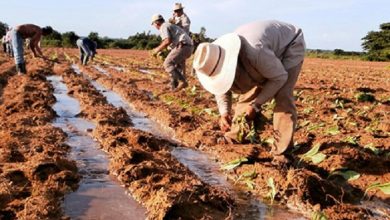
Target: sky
<point>327,24</point>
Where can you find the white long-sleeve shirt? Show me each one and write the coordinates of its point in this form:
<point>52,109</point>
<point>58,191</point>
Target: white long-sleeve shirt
<point>268,50</point>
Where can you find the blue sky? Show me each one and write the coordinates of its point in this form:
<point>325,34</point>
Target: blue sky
<point>329,24</point>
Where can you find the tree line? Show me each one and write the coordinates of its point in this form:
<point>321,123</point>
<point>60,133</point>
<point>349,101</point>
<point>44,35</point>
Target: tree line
<point>376,44</point>
<point>140,41</point>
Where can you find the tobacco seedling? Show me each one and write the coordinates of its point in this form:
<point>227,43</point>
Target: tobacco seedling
<point>385,188</point>
<point>318,215</point>
<point>348,175</point>
<point>339,103</point>
<point>304,123</point>
<point>308,110</point>
<point>315,126</point>
<point>333,130</point>
<point>365,97</point>
<point>247,178</point>
<point>272,189</point>
<point>371,147</point>
<point>354,140</point>
<point>247,131</point>
<point>313,155</point>
<point>373,126</point>
<point>234,163</point>
<point>210,112</point>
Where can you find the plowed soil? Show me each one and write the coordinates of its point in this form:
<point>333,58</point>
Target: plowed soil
<point>343,108</point>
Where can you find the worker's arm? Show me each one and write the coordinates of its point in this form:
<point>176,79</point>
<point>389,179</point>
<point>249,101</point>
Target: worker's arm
<point>164,44</point>
<point>34,44</point>
<point>224,103</point>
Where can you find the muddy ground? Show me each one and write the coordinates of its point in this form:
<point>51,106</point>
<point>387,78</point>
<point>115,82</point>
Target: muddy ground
<point>343,108</point>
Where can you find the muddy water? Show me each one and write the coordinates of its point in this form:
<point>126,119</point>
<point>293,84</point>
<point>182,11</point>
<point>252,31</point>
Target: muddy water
<point>99,196</point>
<point>146,71</point>
<point>98,68</point>
<point>200,163</point>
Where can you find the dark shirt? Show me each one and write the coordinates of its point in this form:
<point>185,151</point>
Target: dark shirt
<point>89,43</point>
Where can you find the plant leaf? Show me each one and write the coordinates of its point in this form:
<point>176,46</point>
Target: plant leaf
<point>348,175</point>
<point>333,130</point>
<point>250,184</point>
<point>313,155</point>
<point>385,187</point>
<point>375,150</point>
<point>318,158</point>
<point>234,163</point>
<point>318,215</point>
<point>272,192</point>
<point>312,151</point>
<point>249,174</point>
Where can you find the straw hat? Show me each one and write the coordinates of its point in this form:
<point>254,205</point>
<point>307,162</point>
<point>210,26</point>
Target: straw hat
<point>156,17</point>
<point>177,6</point>
<point>215,63</point>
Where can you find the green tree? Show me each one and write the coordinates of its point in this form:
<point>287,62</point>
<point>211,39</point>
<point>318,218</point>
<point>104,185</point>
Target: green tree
<point>3,28</point>
<point>144,41</point>
<point>338,52</point>
<point>377,43</point>
<point>52,40</point>
<point>200,37</point>
<point>69,39</point>
<point>94,36</point>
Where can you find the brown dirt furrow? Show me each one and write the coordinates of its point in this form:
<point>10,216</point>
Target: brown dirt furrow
<point>163,106</point>
<point>34,170</point>
<point>305,190</point>
<point>143,162</point>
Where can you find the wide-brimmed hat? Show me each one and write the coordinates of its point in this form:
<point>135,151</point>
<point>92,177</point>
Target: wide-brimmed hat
<point>156,17</point>
<point>177,6</point>
<point>215,63</point>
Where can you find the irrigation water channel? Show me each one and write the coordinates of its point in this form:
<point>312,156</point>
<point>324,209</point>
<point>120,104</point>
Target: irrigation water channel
<point>100,196</point>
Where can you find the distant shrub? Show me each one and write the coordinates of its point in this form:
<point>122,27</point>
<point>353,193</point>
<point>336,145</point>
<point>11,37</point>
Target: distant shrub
<point>51,43</point>
<point>377,44</point>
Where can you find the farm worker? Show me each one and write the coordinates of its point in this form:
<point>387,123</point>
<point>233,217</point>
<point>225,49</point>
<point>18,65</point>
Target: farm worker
<point>9,43</point>
<point>21,33</point>
<point>180,18</point>
<point>87,49</point>
<point>182,47</point>
<point>259,61</point>
<point>3,42</point>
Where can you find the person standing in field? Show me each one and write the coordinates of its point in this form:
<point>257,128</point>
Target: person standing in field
<point>3,42</point>
<point>8,42</point>
<point>259,61</point>
<point>87,49</point>
<point>21,33</point>
<point>180,18</point>
<point>182,47</point>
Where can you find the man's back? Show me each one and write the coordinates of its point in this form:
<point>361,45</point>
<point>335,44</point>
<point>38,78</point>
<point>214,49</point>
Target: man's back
<point>29,31</point>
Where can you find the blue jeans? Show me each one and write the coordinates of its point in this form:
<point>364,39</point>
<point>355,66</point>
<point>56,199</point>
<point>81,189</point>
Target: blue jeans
<point>17,46</point>
<point>85,52</point>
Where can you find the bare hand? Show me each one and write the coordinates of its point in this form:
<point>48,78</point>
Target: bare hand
<point>225,122</point>
<point>250,113</point>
